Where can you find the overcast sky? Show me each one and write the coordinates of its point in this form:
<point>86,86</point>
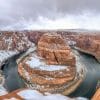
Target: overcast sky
<point>13,12</point>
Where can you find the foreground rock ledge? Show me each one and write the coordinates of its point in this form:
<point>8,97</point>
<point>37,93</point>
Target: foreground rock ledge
<point>49,78</point>
<point>96,95</point>
<point>29,94</point>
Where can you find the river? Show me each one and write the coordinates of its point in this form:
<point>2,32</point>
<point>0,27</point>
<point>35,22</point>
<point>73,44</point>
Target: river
<point>86,89</point>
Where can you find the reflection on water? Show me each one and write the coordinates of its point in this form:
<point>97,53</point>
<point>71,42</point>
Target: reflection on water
<point>86,89</point>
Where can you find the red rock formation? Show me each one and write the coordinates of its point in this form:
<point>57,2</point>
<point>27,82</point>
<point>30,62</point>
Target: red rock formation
<point>34,36</point>
<point>12,43</point>
<point>86,41</point>
<point>53,48</point>
<point>40,73</point>
<point>13,95</point>
<point>50,69</point>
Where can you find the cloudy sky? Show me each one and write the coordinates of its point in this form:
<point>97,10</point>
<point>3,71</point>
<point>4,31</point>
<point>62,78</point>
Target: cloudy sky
<point>49,14</point>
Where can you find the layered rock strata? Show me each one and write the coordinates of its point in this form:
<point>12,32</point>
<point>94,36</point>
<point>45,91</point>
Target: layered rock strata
<point>85,41</point>
<point>12,43</point>
<point>40,74</point>
<point>88,44</point>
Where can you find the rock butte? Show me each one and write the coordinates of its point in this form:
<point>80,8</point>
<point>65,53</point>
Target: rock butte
<point>47,73</point>
<point>12,43</point>
<point>55,50</point>
<point>29,94</point>
<point>85,41</point>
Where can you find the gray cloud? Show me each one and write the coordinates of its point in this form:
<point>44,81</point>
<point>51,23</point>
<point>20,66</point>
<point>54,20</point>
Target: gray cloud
<point>12,11</point>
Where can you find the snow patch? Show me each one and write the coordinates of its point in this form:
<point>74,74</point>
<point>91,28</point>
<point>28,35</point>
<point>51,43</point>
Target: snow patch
<point>71,43</point>
<point>4,55</point>
<point>35,62</point>
<point>35,95</point>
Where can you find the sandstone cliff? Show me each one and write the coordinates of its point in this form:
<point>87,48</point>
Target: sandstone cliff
<point>12,43</point>
<point>55,50</point>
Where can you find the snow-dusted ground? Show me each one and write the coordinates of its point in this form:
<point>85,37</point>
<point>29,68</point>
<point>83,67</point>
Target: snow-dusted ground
<point>35,62</point>
<point>35,95</point>
<point>38,63</point>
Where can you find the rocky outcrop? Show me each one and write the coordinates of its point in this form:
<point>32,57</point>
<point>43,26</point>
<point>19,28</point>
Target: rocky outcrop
<point>55,50</point>
<point>29,94</point>
<point>34,36</point>
<point>98,85</point>
<point>96,95</point>
<point>12,43</point>
<point>87,43</point>
<point>41,74</point>
<point>57,77</point>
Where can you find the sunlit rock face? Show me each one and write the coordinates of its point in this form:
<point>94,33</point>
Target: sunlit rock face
<point>12,43</point>
<point>55,50</point>
<point>96,95</point>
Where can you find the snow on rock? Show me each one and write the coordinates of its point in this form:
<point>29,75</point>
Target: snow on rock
<point>3,91</point>
<point>30,94</point>
<point>13,43</point>
<point>71,43</point>
<point>34,62</point>
<point>35,95</point>
<point>4,55</point>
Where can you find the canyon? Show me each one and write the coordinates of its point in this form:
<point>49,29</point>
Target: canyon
<point>63,47</point>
